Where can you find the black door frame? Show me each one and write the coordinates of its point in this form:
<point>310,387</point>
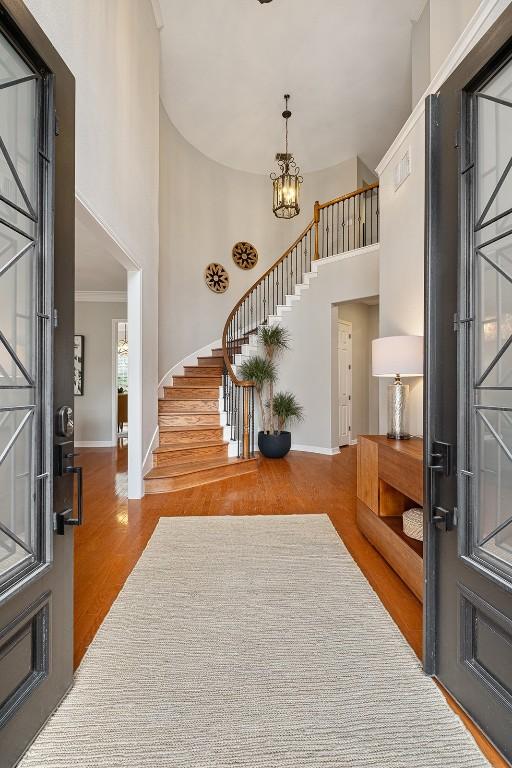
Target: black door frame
<point>439,423</point>
<point>51,594</point>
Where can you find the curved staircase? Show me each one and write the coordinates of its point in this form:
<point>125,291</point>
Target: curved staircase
<point>208,408</point>
<point>193,449</point>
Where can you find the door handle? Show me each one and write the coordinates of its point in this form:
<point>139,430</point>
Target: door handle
<point>441,463</point>
<point>65,517</point>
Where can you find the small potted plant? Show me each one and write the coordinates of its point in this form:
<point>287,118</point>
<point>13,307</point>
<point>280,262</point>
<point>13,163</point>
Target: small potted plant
<point>276,410</point>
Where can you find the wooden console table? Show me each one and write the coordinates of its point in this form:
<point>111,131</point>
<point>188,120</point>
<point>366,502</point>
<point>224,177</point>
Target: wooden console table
<point>389,481</point>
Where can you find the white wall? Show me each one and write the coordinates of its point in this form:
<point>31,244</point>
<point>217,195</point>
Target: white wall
<point>205,208</point>
<point>420,56</point>
<point>402,213</point>
<point>310,368</point>
<point>93,410</point>
<point>112,48</point>
<point>364,330</point>
<point>447,21</point>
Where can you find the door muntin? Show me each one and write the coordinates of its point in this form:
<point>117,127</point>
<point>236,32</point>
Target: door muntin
<point>25,320</point>
<point>485,322</point>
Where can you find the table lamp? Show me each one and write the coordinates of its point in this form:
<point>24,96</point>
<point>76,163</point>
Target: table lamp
<point>398,357</point>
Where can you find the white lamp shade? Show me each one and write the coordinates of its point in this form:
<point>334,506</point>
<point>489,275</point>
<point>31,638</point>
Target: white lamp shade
<point>393,355</point>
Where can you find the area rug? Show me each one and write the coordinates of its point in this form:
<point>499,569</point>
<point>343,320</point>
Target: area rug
<point>254,642</point>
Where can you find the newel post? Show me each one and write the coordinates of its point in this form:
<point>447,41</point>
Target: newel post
<point>316,220</point>
<point>246,442</point>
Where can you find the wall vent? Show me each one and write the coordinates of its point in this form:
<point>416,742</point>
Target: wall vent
<point>402,169</point>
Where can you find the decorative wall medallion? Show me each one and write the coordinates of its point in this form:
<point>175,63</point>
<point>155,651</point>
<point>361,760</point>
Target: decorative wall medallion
<point>245,255</point>
<point>216,277</point>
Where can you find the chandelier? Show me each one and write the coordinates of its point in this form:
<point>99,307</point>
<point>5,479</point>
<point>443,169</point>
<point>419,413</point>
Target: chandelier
<point>287,184</point>
<point>122,344</point>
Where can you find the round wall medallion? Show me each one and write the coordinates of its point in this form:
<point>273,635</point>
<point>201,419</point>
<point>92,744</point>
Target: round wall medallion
<point>245,255</point>
<point>216,277</point>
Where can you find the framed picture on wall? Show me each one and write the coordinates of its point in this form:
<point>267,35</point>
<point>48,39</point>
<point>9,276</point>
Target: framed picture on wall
<point>78,360</point>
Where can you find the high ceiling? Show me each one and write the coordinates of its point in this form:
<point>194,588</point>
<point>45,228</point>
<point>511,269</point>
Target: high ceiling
<point>346,63</point>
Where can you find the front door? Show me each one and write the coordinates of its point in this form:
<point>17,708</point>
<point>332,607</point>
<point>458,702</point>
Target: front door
<point>469,385</point>
<point>345,380</point>
<point>36,359</point>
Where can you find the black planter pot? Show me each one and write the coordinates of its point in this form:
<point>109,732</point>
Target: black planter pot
<point>274,446</point>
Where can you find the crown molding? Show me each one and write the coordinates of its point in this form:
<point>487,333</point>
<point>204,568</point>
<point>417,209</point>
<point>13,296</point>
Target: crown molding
<point>114,297</point>
<point>483,18</point>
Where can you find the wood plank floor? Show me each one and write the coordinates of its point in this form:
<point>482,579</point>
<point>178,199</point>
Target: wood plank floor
<point>116,531</point>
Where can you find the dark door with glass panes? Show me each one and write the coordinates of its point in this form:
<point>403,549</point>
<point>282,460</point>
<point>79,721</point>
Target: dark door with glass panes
<point>36,379</point>
<point>468,601</point>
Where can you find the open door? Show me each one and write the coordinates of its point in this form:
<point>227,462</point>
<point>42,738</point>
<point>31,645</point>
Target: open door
<point>36,379</point>
<point>468,606</point>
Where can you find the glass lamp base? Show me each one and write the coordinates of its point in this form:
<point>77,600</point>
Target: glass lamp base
<point>398,416</point>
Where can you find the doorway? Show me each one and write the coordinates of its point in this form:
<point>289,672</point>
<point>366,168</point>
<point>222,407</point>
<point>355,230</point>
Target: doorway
<point>120,380</point>
<point>356,402</point>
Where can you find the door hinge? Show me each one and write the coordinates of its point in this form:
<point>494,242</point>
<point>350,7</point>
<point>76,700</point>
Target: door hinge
<point>55,318</point>
<point>350,367</point>
<point>350,397</point>
<point>457,138</point>
<point>57,125</point>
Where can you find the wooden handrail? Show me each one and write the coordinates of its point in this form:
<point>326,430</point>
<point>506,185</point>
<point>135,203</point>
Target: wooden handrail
<point>227,361</point>
<point>350,194</point>
<point>313,255</point>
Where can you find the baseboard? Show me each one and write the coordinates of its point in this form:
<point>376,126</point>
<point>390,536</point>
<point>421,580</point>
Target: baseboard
<point>94,444</point>
<point>315,449</point>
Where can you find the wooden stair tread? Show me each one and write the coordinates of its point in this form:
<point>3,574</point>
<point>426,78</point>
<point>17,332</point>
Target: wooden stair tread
<point>188,468</point>
<point>191,428</point>
<point>189,446</point>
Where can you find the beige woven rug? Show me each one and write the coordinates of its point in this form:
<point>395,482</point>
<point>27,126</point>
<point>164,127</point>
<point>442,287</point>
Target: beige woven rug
<point>254,642</point>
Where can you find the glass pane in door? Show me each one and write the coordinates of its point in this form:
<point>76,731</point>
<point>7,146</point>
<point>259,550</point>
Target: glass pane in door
<point>24,321</point>
<point>489,383</point>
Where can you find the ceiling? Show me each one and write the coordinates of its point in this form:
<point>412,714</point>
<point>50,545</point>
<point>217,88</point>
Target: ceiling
<point>225,65</point>
<point>96,268</point>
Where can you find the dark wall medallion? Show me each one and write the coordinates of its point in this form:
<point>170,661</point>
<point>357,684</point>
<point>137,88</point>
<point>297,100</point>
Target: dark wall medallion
<point>245,255</point>
<point>216,278</point>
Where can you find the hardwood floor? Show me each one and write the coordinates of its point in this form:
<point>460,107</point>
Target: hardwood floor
<point>116,531</point>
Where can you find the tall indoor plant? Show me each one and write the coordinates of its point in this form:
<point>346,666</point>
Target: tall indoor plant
<point>278,409</point>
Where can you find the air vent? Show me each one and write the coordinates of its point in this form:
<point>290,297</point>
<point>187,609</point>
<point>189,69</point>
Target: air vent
<point>402,169</point>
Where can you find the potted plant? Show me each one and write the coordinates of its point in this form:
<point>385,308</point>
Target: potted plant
<point>276,410</point>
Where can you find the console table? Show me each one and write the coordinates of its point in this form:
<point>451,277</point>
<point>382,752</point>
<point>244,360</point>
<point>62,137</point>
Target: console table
<point>389,481</point>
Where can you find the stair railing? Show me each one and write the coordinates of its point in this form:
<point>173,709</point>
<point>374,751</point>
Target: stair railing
<point>343,224</point>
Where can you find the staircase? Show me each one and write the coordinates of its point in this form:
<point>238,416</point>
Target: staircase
<point>193,449</point>
<point>208,409</point>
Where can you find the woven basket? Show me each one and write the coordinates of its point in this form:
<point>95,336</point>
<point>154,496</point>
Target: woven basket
<point>413,523</point>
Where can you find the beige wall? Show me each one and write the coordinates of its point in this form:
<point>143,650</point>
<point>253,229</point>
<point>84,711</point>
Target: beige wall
<point>205,208</point>
<point>364,319</point>
<point>448,19</point>
<point>420,56</point>
<point>93,410</point>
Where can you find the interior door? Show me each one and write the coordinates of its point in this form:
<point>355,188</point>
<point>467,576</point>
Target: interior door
<point>468,606</point>
<point>36,381</point>
<point>345,380</point>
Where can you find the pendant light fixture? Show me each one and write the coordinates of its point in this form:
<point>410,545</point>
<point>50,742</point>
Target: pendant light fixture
<point>122,344</point>
<point>287,184</point>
